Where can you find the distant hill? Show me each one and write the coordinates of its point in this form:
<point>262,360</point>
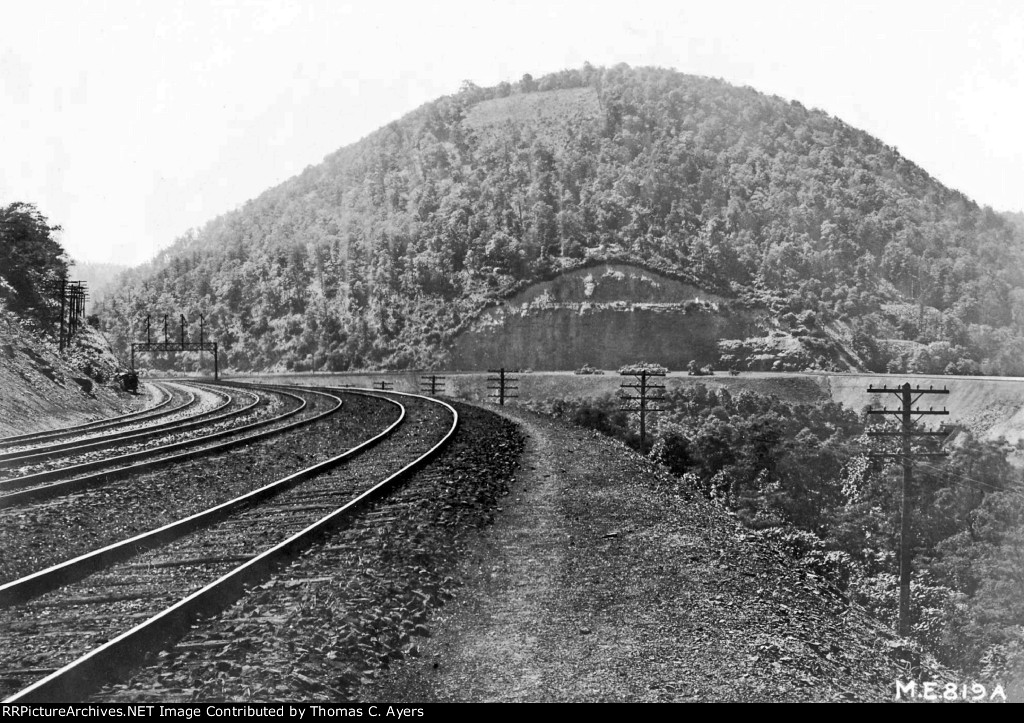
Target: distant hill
<point>1016,219</point>
<point>390,252</point>
<point>100,278</point>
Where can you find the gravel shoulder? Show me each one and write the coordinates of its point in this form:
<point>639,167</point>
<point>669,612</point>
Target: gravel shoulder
<point>603,580</point>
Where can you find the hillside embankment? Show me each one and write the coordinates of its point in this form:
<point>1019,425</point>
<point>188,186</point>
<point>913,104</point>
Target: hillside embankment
<point>41,389</point>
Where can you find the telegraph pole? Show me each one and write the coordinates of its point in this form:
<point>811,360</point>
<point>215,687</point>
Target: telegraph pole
<point>643,389</point>
<point>384,386</point>
<point>430,383</point>
<point>72,307</point>
<point>906,412</point>
<point>505,384</point>
<point>63,299</point>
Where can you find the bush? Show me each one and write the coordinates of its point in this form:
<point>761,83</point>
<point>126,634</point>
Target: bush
<point>695,371</point>
<point>834,566</point>
<point>643,367</point>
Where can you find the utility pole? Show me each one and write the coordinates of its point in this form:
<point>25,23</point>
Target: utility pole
<point>643,389</point>
<point>72,307</point>
<point>63,299</point>
<point>383,386</point>
<point>906,412</point>
<point>429,383</point>
<point>504,384</point>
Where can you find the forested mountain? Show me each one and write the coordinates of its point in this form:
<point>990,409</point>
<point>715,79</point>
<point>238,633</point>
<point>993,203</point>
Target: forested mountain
<point>383,253</point>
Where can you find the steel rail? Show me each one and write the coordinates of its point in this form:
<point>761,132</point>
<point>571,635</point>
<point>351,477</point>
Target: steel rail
<point>30,437</point>
<point>114,658</point>
<point>72,570</point>
<point>32,494</point>
<point>133,435</point>
<point>190,399</point>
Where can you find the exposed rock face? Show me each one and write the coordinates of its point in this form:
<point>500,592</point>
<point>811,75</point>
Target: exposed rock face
<point>605,316</point>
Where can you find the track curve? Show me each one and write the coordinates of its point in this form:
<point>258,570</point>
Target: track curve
<point>297,514</point>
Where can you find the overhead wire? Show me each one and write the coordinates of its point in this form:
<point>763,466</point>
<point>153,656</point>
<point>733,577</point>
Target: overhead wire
<point>990,486</point>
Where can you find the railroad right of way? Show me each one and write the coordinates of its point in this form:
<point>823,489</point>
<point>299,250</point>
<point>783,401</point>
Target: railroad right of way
<point>37,535</point>
<point>355,603</point>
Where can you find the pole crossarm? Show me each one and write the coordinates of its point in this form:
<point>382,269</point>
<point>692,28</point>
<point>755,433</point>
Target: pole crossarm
<point>913,455</point>
<point>174,346</point>
<point>912,433</point>
<point>912,390</point>
<point>901,412</point>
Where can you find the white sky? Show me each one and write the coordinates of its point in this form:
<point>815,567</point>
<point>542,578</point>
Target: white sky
<point>130,122</point>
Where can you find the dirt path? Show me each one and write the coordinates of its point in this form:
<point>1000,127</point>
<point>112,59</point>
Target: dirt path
<point>601,580</point>
<point>518,567</point>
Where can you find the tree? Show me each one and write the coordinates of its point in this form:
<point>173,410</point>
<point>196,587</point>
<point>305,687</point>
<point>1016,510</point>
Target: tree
<point>32,263</point>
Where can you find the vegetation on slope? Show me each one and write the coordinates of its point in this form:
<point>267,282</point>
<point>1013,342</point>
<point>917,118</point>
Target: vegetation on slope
<point>798,474</point>
<point>381,254</point>
<point>42,389</point>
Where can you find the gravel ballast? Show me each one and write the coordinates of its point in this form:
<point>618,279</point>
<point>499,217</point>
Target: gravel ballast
<point>351,606</point>
<point>37,535</point>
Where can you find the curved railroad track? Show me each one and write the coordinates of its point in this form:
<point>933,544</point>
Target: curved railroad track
<point>161,407</point>
<point>40,534</point>
<point>304,406</point>
<point>134,596</point>
<point>194,408</point>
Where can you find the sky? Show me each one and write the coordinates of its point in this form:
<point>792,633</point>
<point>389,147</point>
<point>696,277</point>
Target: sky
<point>128,123</point>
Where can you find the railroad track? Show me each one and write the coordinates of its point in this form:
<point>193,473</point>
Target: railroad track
<point>133,597</point>
<point>49,483</point>
<point>38,534</point>
<point>39,453</point>
<point>161,407</point>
